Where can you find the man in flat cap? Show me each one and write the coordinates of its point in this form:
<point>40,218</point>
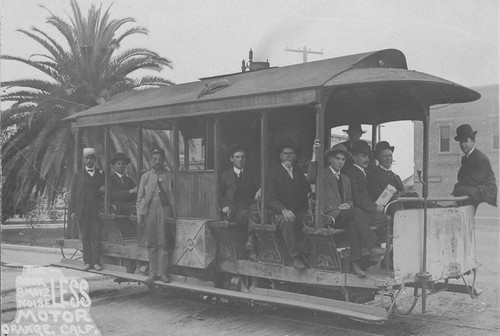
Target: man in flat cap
<point>476,178</point>
<point>337,202</point>
<point>85,201</point>
<point>154,207</point>
<point>123,191</point>
<point>286,195</point>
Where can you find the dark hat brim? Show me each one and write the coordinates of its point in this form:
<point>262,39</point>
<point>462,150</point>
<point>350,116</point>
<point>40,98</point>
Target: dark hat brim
<point>115,160</point>
<point>464,136</point>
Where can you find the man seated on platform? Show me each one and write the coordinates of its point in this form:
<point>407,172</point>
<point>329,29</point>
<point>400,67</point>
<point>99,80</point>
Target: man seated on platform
<point>286,195</point>
<point>382,176</point>
<point>476,178</point>
<point>239,190</point>
<point>358,175</point>
<point>337,203</point>
<point>123,191</point>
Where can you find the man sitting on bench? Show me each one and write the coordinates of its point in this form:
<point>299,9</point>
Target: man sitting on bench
<point>239,189</point>
<point>337,203</point>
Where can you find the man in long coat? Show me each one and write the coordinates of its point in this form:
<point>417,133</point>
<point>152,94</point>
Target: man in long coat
<point>154,207</point>
<point>123,191</point>
<point>286,195</point>
<point>84,205</point>
<point>476,178</point>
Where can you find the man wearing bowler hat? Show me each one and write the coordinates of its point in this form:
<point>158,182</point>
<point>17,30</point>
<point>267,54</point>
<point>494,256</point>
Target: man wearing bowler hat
<point>154,207</point>
<point>123,191</point>
<point>357,173</point>
<point>337,202</point>
<point>85,201</point>
<point>354,131</point>
<point>475,177</point>
<point>382,175</point>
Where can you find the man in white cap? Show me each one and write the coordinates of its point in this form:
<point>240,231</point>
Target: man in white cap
<point>85,201</point>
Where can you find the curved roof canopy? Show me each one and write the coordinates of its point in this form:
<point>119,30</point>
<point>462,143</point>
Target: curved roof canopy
<point>374,87</point>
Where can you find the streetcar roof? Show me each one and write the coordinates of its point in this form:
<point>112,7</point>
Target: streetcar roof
<point>362,81</point>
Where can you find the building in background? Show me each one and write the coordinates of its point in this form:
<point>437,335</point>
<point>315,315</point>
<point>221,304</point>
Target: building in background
<point>444,153</point>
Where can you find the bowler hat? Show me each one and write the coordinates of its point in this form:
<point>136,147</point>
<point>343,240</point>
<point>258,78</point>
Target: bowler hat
<point>361,146</point>
<point>464,131</point>
<point>88,151</point>
<point>337,148</point>
<point>119,157</point>
<point>383,145</point>
<point>158,150</point>
<point>354,128</point>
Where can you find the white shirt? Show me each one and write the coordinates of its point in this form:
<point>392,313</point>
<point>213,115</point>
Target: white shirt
<point>337,175</point>
<point>237,171</point>
<point>289,170</point>
<point>470,152</point>
<point>388,170</point>
<point>90,171</point>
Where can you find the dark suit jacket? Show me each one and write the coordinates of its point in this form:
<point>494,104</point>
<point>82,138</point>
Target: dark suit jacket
<point>332,198</point>
<point>476,176</point>
<point>248,186</point>
<point>77,195</point>
<point>359,186</point>
<point>379,178</point>
<point>283,192</point>
<point>119,193</point>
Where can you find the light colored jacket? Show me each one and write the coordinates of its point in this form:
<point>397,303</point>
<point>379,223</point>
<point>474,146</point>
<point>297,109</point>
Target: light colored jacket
<point>147,187</point>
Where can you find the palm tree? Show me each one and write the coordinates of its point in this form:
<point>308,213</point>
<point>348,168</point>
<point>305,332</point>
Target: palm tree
<point>38,155</point>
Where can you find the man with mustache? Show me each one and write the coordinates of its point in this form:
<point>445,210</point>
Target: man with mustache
<point>154,207</point>
<point>287,190</point>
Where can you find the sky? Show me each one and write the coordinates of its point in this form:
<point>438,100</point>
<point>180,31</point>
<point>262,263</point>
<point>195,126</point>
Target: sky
<point>454,39</point>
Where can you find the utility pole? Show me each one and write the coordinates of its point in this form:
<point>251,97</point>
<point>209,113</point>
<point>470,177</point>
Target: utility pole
<point>304,52</point>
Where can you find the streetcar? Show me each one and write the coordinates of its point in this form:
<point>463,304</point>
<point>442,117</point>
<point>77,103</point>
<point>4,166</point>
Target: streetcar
<point>432,244</point>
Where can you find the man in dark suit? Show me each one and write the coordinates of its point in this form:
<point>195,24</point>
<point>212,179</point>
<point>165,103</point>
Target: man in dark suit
<point>354,131</point>
<point>84,205</point>
<point>287,190</point>
<point>239,190</point>
<point>358,175</point>
<point>123,191</point>
<point>337,202</point>
<point>382,175</point>
<point>476,179</point>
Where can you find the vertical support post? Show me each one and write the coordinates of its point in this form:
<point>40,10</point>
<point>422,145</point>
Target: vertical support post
<point>217,161</point>
<point>107,169</point>
<point>375,137</point>
<point>176,163</point>
<point>79,149</point>
<point>264,160</point>
<point>140,153</point>
<point>424,276</point>
<point>320,155</point>
<point>186,152</point>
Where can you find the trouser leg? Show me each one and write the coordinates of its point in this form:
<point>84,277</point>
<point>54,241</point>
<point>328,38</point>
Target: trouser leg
<point>151,240</point>
<point>359,232</point>
<point>163,256</point>
<point>84,232</point>
<point>96,235</point>
<point>287,229</point>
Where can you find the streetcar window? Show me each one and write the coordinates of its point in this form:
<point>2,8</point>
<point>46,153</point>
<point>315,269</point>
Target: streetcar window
<point>495,135</point>
<point>196,144</point>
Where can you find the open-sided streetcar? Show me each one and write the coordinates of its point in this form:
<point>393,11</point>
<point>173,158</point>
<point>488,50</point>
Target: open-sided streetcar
<point>431,243</point>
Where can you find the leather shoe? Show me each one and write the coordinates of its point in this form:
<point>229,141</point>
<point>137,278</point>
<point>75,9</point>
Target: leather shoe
<point>98,267</point>
<point>376,253</point>
<point>356,269</point>
<point>151,278</point>
<point>86,267</point>
<point>298,263</point>
<point>165,278</point>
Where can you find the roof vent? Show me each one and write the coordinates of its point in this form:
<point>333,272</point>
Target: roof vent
<point>253,66</point>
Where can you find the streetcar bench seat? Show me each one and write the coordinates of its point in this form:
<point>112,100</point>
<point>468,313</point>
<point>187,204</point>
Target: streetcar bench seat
<point>230,238</point>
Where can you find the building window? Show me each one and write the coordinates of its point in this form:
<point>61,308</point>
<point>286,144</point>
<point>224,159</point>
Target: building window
<point>495,135</point>
<point>444,138</point>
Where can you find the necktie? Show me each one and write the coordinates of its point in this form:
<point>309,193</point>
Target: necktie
<point>290,172</point>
